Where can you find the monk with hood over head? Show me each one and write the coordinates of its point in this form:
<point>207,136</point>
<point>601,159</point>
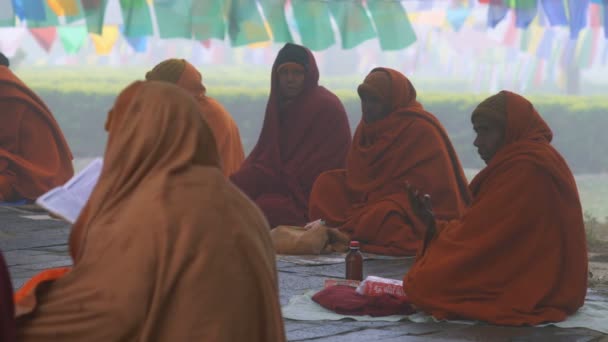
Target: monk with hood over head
<point>518,256</point>
<point>305,133</point>
<point>34,155</point>
<point>146,266</point>
<point>225,130</point>
<point>396,142</point>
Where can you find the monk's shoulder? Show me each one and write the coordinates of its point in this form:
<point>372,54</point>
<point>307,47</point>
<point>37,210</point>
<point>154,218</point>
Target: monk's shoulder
<point>325,98</point>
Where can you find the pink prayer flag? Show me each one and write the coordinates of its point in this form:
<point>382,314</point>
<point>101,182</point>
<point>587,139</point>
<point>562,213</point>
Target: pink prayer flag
<point>45,36</point>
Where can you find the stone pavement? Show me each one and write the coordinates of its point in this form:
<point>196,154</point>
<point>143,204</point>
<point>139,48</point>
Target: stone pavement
<point>32,242</point>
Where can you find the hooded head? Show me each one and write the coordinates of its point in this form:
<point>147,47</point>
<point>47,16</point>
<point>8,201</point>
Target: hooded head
<point>385,91</point>
<point>294,71</point>
<point>180,73</point>
<point>503,119</point>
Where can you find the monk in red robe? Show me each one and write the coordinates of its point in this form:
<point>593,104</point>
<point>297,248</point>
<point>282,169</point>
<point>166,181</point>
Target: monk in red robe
<point>146,266</point>
<point>34,155</point>
<point>396,142</point>
<point>305,132</point>
<point>7,309</point>
<point>518,256</point>
<point>225,130</point>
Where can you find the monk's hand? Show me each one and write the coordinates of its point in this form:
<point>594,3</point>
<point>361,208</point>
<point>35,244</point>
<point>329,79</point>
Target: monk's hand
<point>421,204</point>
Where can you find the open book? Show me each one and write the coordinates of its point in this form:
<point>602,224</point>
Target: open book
<point>68,200</point>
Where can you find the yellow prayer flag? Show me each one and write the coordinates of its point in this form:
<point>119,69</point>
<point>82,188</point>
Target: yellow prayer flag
<point>105,42</point>
<point>64,7</point>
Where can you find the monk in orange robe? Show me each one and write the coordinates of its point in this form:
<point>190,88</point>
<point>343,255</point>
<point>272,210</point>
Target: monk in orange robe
<point>147,267</point>
<point>34,155</point>
<point>518,256</point>
<point>397,141</point>
<point>225,130</point>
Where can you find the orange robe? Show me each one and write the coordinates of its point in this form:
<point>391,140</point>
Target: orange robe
<point>518,256</point>
<point>144,270</point>
<point>34,155</point>
<point>222,125</point>
<point>368,200</point>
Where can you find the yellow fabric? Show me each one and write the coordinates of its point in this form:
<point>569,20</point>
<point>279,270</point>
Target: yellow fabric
<point>105,42</point>
<point>64,7</point>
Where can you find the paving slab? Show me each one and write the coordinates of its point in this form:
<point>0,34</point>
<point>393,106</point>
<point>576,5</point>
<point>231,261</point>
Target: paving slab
<point>31,243</point>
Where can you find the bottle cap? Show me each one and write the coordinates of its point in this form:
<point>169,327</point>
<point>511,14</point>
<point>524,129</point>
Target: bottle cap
<point>354,244</point>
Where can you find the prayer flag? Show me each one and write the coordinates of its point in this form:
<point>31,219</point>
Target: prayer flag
<point>32,9</point>
<point>174,18</point>
<point>105,42</point>
<point>546,44</point>
<point>394,29</point>
<point>94,11</point>
<point>64,7</point>
<point>50,18</point>
<point>245,24</point>
<point>208,19</point>
<point>354,23</point>
<point>525,12</point>
<point>274,11</point>
<point>139,44</point>
<point>314,24</point>
<point>457,17</point>
<point>45,36</point>
<point>72,38</point>
<point>137,19</point>
<point>578,16</point>
<point>496,13</point>
<point>555,12</point>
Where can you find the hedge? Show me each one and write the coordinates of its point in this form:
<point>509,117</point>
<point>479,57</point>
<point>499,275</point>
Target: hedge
<point>578,123</point>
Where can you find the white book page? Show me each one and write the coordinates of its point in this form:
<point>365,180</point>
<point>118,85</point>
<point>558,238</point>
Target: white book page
<point>82,184</point>
<point>68,200</point>
<point>60,202</point>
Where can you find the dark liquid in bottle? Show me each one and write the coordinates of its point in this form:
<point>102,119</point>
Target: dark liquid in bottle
<point>354,262</point>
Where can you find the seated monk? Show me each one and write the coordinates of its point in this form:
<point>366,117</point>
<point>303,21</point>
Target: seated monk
<point>7,310</point>
<point>147,267</point>
<point>225,130</point>
<point>34,155</point>
<point>305,132</point>
<point>518,256</point>
<point>397,141</point>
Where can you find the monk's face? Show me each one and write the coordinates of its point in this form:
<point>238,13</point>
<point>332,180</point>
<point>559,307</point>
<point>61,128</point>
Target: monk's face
<point>373,108</point>
<point>490,137</point>
<point>291,80</point>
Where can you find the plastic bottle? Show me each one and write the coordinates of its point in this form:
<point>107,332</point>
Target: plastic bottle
<point>354,262</point>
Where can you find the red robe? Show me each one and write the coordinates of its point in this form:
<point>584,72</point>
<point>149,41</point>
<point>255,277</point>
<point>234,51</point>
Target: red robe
<point>34,155</point>
<point>518,256</point>
<point>368,201</point>
<point>298,142</point>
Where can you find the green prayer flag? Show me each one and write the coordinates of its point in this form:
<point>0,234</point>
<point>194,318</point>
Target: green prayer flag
<point>393,27</point>
<point>354,23</point>
<point>94,11</point>
<point>208,19</point>
<point>522,4</point>
<point>137,18</point>
<point>72,38</point>
<point>245,24</point>
<point>314,24</point>
<point>174,18</point>
<point>274,11</point>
